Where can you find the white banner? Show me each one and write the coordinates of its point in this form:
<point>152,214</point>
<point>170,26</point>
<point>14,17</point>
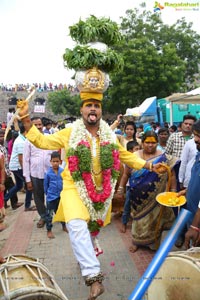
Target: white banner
<point>39,108</point>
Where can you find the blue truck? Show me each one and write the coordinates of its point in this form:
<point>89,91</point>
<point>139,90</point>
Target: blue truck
<point>158,110</point>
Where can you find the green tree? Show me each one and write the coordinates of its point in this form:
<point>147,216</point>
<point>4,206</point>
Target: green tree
<point>158,60</point>
<point>63,102</point>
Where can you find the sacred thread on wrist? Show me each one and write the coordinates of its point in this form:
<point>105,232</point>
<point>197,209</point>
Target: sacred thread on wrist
<point>195,228</point>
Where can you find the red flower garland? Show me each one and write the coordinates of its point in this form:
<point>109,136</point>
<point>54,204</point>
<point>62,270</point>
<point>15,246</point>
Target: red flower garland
<point>87,177</point>
<point>74,162</point>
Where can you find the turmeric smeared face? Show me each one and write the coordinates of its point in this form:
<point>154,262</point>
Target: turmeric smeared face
<point>91,112</point>
<point>150,145</point>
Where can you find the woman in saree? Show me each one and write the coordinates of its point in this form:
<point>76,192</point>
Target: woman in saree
<point>149,217</point>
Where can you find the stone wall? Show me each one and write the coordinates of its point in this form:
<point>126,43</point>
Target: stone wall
<point>5,96</point>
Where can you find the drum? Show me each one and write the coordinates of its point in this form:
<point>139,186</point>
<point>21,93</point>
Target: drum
<point>178,277</point>
<point>25,278</point>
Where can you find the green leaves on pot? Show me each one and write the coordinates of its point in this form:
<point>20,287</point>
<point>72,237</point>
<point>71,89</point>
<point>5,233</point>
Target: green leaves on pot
<point>93,29</point>
<point>84,57</point>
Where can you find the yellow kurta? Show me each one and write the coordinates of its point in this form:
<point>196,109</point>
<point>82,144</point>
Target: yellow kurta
<point>71,206</point>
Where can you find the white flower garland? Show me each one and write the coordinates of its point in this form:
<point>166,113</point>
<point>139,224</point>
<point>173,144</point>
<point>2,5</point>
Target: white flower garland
<point>80,133</point>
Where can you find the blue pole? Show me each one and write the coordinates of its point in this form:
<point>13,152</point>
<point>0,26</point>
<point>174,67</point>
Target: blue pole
<point>160,256</point>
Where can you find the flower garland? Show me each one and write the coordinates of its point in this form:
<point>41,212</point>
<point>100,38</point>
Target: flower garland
<point>79,163</point>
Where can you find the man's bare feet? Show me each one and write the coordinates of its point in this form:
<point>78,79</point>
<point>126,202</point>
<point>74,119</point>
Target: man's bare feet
<point>2,259</point>
<point>123,228</point>
<point>96,289</point>
<point>50,235</point>
<point>133,248</point>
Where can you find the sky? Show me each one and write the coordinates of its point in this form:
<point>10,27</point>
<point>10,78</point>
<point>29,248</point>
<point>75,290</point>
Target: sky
<point>35,34</point>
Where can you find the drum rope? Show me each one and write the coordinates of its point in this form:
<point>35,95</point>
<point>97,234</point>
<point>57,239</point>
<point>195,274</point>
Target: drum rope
<point>3,285</point>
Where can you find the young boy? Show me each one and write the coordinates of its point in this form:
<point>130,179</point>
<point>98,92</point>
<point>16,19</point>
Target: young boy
<point>53,187</point>
<point>131,146</point>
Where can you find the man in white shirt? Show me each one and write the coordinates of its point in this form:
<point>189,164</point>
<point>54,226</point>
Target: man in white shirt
<point>187,160</point>
<point>35,163</point>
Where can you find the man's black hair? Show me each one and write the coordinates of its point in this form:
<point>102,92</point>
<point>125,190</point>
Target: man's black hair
<point>191,117</point>
<point>163,129</point>
<point>174,127</point>
<point>36,118</point>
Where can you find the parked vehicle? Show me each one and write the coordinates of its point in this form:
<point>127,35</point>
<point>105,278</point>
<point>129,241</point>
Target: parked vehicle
<point>158,110</point>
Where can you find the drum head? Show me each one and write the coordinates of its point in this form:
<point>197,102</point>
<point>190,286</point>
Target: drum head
<point>177,279</point>
<point>25,278</point>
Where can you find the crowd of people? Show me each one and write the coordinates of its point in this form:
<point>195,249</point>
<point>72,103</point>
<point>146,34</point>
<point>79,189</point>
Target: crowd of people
<point>142,151</point>
<point>177,147</point>
<point>78,175</point>
<point>40,87</point>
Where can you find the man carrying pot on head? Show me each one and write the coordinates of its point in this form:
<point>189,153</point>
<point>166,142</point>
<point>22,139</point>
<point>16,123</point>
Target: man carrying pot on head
<point>89,178</point>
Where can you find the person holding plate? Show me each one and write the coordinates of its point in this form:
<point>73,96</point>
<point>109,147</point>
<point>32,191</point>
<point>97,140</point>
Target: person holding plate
<point>149,217</point>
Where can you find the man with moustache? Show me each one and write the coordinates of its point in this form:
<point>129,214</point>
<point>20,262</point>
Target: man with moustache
<point>193,190</point>
<point>93,154</point>
<point>177,140</point>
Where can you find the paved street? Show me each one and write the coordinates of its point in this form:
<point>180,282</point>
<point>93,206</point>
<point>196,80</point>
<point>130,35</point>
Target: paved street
<point>122,269</point>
